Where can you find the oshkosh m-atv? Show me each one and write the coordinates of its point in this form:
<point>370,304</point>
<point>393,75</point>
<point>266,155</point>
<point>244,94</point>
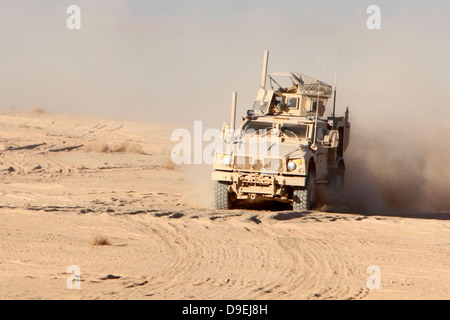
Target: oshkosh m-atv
<point>284,148</point>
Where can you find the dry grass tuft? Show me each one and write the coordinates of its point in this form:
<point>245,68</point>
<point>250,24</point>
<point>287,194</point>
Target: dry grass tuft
<point>99,240</point>
<point>169,165</point>
<point>122,147</point>
<point>37,111</point>
<point>24,126</point>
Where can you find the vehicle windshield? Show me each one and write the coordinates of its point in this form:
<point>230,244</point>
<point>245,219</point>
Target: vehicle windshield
<point>259,106</point>
<point>295,130</point>
<point>256,127</point>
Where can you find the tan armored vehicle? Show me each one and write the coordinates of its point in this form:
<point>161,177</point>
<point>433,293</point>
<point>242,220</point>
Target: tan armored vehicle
<point>284,148</point>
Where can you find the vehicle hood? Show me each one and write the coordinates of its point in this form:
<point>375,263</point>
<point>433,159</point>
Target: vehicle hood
<point>269,149</point>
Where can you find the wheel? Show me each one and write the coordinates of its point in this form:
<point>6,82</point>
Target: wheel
<point>304,197</point>
<point>222,198</point>
<point>336,179</point>
<point>336,185</point>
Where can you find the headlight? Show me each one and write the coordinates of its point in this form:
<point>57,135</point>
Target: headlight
<point>224,159</point>
<point>292,164</point>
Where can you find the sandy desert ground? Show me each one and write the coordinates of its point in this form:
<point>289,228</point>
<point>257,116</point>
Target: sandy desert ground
<point>66,180</point>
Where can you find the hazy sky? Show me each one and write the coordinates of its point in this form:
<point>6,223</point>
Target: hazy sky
<point>181,60</point>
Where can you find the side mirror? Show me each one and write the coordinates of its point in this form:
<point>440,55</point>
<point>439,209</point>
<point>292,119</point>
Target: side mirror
<point>332,139</point>
<point>226,133</point>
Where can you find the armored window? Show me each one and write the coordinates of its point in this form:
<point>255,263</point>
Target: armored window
<point>314,104</point>
<point>259,106</point>
<point>257,127</point>
<point>311,105</point>
<point>291,103</point>
<point>295,130</point>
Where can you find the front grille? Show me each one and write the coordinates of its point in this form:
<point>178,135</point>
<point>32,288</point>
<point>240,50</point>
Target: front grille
<point>255,164</point>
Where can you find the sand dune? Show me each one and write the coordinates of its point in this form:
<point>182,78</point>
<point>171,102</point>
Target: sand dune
<point>66,180</point>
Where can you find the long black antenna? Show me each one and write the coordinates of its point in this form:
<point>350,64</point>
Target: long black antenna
<point>336,74</point>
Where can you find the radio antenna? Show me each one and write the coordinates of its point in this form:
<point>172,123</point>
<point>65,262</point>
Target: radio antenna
<point>318,97</point>
<point>336,74</point>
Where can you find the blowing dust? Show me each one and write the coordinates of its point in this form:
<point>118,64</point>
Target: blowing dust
<point>199,188</point>
<point>394,168</point>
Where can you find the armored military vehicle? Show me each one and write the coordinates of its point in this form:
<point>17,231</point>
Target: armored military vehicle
<point>284,148</point>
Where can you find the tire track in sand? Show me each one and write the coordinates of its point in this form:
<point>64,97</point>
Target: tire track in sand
<point>265,261</point>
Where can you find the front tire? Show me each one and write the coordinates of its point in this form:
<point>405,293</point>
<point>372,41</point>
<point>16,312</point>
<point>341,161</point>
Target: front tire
<point>304,197</point>
<point>222,197</point>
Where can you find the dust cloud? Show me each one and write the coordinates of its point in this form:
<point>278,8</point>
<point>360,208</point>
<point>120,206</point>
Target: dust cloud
<point>199,190</point>
<point>399,168</point>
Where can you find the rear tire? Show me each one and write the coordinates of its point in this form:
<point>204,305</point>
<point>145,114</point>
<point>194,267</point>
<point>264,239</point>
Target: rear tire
<point>336,179</point>
<point>336,185</point>
<point>304,197</point>
<point>222,197</point>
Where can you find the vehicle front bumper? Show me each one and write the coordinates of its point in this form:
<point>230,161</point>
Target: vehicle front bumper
<point>251,182</point>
